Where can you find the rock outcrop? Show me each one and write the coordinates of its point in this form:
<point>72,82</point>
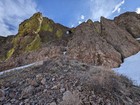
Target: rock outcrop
<point>119,38</point>
<point>130,21</point>
<point>87,45</point>
<point>33,33</point>
<point>104,43</point>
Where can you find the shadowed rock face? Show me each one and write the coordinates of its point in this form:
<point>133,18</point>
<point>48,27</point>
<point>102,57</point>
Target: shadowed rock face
<point>129,21</point>
<point>5,46</point>
<point>104,43</point>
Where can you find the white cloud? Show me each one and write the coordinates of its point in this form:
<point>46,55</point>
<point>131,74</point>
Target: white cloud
<point>104,8</point>
<point>138,10</point>
<point>94,9</point>
<point>72,25</point>
<point>82,17</point>
<point>80,22</point>
<point>117,7</point>
<point>13,12</point>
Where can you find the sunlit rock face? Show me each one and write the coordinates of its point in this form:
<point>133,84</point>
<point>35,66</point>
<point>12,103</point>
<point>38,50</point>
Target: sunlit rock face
<point>119,38</point>
<point>37,38</point>
<point>27,38</point>
<point>104,43</point>
<point>33,32</point>
<point>87,45</point>
<point>130,21</point>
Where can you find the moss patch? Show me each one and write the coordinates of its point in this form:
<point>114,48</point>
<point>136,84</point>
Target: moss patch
<point>59,33</point>
<point>35,44</point>
<point>10,53</point>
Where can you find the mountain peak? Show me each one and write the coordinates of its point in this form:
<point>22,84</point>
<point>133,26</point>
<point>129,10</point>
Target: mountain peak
<point>89,21</point>
<point>37,14</point>
<point>31,25</point>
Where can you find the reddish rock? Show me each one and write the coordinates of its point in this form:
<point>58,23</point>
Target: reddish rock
<point>88,46</point>
<point>130,21</point>
<point>119,38</point>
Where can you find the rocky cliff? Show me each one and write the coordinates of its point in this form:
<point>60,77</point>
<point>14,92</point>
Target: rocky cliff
<point>104,43</point>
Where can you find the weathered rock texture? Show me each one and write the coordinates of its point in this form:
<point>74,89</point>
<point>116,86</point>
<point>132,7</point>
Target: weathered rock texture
<point>88,46</point>
<point>130,21</point>
<point>104,43</point>
<point>120,39</point>
<point>67,82</point>
<point>5,46</point>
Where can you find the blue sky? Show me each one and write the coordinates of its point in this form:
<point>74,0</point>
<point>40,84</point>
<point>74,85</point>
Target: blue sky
<point>67,12</point>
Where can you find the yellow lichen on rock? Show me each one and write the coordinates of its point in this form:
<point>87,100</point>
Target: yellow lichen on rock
<point>15,41</point>
<point>10,53</point>
<point>47,27</point>
<point>31,25</point>
<point>59,33</point>
<point>27,38</point>
<point>35,44</point>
